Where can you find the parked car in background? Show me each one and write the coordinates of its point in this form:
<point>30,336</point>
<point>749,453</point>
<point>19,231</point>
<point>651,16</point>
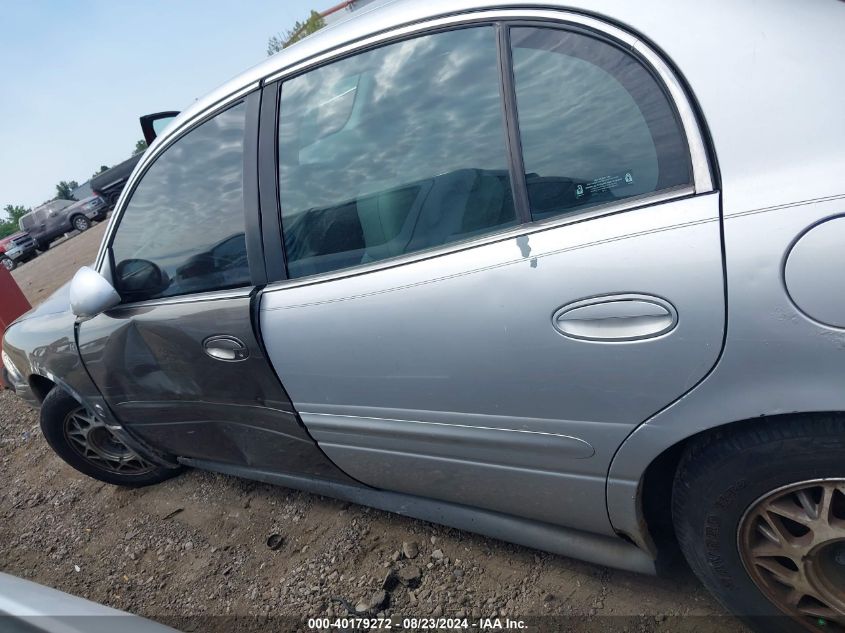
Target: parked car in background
<point>57,217</point>
<point>28,607</point>
<point>82,191</point>
<point>16,249</point>
<point>110,183</point>
<point>569,276</point>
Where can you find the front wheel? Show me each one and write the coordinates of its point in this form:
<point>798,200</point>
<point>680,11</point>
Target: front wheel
<point>760,516</point>
<point>86,443</point>
<point>8,264</point>
<point>81,223</point>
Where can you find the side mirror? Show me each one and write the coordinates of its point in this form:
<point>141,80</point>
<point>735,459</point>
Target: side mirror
<point>91,293</point>
<point>140,279</point>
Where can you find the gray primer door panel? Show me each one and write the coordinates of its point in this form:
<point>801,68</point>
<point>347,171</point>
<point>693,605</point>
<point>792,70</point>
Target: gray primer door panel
<point>152,366</point>
<point>448,378</point>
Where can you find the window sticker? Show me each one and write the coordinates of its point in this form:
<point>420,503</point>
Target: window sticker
<point>604,183</point>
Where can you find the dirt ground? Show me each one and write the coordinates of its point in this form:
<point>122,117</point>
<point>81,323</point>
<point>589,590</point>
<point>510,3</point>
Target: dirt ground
<point>42,276</point>
<point>197,545</point>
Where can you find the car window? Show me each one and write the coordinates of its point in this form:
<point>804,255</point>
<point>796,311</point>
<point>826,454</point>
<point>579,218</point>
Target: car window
<point>183,228</point>
<point>394,150</point>
<point>595,125</point>
<point>159,125</point>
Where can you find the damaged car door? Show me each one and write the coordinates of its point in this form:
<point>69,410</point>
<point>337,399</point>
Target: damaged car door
<point>179,361</point>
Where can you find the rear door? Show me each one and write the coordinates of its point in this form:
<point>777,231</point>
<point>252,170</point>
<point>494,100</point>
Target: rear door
<point>179,362</point>
<point>504,255</point>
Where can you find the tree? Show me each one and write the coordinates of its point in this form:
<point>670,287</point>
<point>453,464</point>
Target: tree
<point>64,190</point>
<point>140,147</point>
<point>100,170</point>
<point>13,213</point>
<point>300,30</point>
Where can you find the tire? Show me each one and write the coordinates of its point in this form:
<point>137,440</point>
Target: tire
<point>8,264</point>
<point>80,223</point>
<point>726,486</point>
<point>61,416</point>
<point>42,247</point>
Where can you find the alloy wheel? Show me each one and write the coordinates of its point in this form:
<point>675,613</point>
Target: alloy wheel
<point>792,543</point>
<point>81,224</point>
<point>94,441</point>
<point>8,264</point>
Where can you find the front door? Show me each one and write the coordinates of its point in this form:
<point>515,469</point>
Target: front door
<point>500,264</point>
<point>178,361</point>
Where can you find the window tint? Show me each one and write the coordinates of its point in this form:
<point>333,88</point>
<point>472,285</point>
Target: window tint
<point>392,151</point>
<point>183,229</point>
<point>595,124</point>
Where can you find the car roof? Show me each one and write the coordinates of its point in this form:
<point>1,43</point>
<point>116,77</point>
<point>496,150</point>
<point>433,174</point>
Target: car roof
<point>765,76</point>
<point>57,203</point>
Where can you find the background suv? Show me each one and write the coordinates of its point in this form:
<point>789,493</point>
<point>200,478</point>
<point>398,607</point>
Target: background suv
<point>57,217</point>
<point>16,249</point>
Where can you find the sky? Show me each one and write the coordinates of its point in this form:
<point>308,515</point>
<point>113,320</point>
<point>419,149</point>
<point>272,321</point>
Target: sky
<point>76,75</point>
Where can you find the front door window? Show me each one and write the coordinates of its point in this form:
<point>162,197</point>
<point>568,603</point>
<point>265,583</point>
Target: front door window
<point>183,228</point>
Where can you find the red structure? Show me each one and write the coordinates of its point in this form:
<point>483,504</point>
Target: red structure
<point>12,302</point>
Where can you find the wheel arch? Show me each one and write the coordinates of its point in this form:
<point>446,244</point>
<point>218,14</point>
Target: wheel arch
<point>40,386</point>
<point>653,491</point>
<point>72,219</point>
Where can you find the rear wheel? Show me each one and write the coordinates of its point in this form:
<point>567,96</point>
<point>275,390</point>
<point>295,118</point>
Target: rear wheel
<point>792,543</point>
<point>760,517</point>
<point>85,442</point>
<point>42,246</point>
<point>8,264</point>
<point>81,223</point>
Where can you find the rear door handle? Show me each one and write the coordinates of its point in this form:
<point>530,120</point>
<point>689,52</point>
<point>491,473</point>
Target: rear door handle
<point>225,347</point>
<point>623,317</point>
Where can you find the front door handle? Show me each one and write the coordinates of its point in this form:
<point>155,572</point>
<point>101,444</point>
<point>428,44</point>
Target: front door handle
<point>225,347</point>
<point>624,317</point>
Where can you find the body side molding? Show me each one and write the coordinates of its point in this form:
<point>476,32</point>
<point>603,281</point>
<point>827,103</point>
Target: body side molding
<point>592,548</point>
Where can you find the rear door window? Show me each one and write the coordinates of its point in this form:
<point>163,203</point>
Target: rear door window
<point>394,150</point>
<point>596,127</point>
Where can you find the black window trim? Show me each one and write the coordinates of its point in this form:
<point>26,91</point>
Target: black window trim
<point>703,159</point>
<point>105,259</point>
<point>627,50</point>
<point>513,146</point>
<point>694,127</point>
<point>252,206</point>
<point>513,139</point>
<point>268,183</point>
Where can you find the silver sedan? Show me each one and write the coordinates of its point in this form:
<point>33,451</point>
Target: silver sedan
<point>567,276</point>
